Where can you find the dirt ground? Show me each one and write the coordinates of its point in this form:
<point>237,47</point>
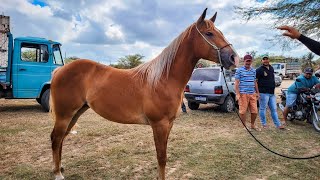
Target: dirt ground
<point>204,144</point>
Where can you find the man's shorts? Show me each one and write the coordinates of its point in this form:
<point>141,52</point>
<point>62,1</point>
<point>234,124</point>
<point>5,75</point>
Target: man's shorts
<point>248,101</point>
<point>291,99</point>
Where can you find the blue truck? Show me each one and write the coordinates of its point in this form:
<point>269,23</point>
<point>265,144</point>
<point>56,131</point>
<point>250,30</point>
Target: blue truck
<point>26,65</point>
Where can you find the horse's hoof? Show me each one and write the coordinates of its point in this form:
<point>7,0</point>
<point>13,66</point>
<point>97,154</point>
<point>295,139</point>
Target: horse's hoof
<point>59,177</point>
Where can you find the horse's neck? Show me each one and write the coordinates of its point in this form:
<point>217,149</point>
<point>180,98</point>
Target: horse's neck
<point>183,65</point>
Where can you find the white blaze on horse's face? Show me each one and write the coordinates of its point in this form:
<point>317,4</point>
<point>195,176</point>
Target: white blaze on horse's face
<point>215,44</point>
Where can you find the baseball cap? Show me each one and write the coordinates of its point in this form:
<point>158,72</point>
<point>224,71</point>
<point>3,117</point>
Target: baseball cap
<point>247,57</point>
<point>308,70</point>
<point>265,56</point>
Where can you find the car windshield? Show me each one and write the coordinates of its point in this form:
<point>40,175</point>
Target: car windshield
<point>205,75</point>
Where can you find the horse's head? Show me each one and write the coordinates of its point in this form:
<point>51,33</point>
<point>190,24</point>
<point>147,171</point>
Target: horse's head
<point>210,43</point>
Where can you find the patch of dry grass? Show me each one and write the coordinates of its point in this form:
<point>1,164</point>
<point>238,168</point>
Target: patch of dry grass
<point>203,144</point>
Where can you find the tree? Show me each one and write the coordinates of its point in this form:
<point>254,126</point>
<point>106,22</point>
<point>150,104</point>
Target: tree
<point>70,59</point>
<point>307,61</point>
<point>302,14</point>
<point>29,55</point>
<point>203,63</point>
<point>129,61</point>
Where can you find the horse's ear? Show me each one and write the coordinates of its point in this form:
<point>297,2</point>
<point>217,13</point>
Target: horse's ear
<point>214,17</point>
<point>201,18</point>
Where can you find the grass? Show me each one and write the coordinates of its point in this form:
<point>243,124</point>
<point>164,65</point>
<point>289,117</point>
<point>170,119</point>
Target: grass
<point>203,144</point>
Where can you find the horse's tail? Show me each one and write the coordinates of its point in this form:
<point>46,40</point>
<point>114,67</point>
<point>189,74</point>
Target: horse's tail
<point>52,108</point>
<point>51,104</point>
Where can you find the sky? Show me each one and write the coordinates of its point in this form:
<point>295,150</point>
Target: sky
<point>106,30</point>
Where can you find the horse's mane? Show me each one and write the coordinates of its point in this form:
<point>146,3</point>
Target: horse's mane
<point>153,70</point>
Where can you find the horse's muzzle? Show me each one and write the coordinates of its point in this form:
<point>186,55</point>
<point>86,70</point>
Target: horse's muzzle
<point>234,59</point>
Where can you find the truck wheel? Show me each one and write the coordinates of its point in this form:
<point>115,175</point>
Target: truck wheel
<point>228,105</point>
<point>193,105</point>
<point>38,100</point>
<point>291,77</point>
<point>45,100</point>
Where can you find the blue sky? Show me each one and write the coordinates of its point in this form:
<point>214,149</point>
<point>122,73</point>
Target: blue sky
<point>106,30</point>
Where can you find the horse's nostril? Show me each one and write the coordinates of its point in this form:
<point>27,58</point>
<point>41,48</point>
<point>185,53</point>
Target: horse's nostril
<point>231,58</point>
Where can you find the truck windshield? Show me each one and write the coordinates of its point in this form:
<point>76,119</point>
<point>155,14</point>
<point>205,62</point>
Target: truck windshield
<point>205,75</point>
<point>276,66</point>
<point>57,54</point>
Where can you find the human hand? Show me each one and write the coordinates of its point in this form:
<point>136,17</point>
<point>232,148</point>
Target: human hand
<point>258,95</point>
<point>290,32</point>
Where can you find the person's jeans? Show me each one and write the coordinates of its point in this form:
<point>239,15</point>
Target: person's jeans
<point>268,100</point>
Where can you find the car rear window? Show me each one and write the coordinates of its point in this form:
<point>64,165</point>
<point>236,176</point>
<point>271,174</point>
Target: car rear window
<point>205,75</point>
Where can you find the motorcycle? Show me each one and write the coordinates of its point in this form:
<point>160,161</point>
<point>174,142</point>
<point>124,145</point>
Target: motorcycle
<point>307,105</point>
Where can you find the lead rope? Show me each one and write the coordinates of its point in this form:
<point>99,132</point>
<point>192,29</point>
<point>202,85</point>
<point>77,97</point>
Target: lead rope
<point>264,146</point>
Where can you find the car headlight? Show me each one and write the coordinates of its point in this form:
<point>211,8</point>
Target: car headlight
<point>317,96</point>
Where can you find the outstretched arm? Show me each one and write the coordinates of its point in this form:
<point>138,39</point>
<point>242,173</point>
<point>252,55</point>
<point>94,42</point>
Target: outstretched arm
<point>313,45</point>
<point>293,33</point>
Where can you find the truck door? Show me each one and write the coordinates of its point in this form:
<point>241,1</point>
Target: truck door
<point>57,57</point>
<point>32,70</point>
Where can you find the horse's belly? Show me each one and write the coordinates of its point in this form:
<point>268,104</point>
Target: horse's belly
<point>120,113</point>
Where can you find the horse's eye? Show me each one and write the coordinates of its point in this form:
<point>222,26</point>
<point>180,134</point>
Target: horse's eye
<point>209,34</point>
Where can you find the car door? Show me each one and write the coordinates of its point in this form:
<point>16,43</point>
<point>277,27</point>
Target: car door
<point>230,79</point>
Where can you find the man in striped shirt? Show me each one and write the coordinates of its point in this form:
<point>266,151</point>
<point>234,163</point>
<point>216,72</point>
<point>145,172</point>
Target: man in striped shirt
<point>247,92</point>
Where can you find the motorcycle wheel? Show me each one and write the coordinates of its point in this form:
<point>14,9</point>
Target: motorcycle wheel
<point>315,121</point>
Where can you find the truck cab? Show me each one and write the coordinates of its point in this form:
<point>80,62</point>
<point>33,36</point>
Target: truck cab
<point>291,69</point>
<point>27,72</point>
<point>279,69</point>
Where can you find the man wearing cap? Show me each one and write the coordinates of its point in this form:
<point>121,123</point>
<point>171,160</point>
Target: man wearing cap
<point>307,80</point>
<point>266,84</point>
<point>247,91</point>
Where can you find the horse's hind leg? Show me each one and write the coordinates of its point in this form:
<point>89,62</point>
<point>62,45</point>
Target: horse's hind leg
<point>61,130</point>
<point>161,132</point>
<point>57,136</point>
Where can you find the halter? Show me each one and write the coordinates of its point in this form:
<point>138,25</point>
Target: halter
<point>213,45</point>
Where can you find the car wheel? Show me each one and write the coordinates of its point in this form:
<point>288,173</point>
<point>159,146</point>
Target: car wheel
<point>193,105</point>
<point>228,105</point>
<point>281,76</point>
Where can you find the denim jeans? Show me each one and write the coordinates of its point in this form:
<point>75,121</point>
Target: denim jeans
<point>268,100</point>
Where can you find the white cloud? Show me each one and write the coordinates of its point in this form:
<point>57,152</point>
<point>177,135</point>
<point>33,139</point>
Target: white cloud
<point>107,30</point>
<point>115,32</point>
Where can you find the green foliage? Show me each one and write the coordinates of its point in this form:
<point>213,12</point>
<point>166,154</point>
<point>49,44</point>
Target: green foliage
<point>129,61</point>
<point>273,59</point>
<point>29,55</point>
<point>307,61</point>
<point>203,63</point>
<point>70,59</point>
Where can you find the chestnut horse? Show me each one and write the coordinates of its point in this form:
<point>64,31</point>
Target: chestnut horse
<point>149,94</point>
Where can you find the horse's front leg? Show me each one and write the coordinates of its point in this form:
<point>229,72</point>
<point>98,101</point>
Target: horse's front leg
<point>161,132</point>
